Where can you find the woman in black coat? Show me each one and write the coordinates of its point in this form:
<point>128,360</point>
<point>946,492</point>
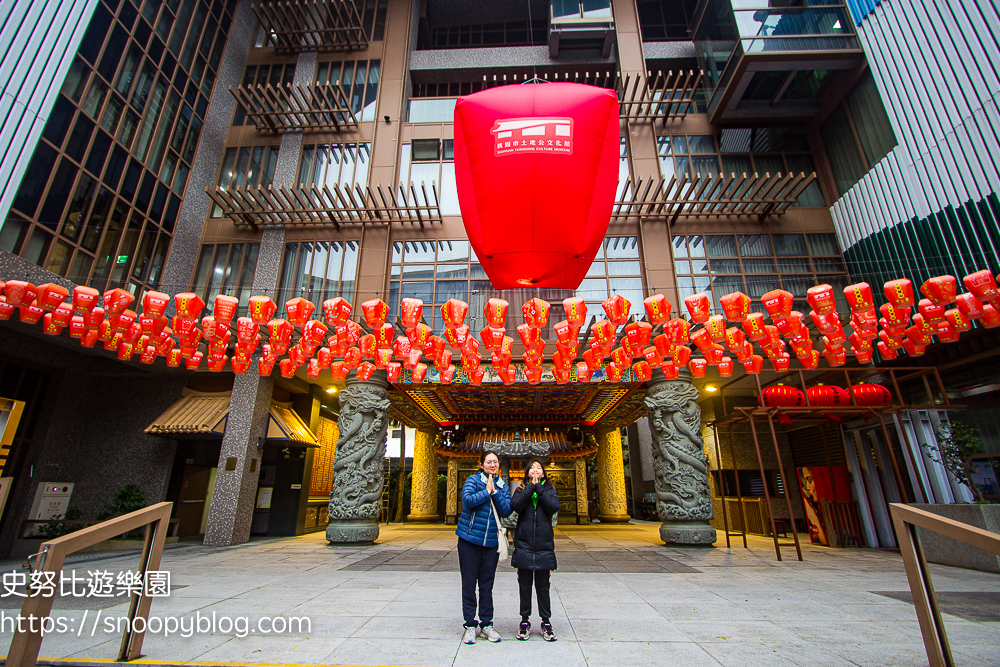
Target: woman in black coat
<point>534,545</point>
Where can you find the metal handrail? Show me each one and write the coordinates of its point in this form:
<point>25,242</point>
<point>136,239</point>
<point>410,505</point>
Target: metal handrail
<point>906,520</point>
<point>25,645</point>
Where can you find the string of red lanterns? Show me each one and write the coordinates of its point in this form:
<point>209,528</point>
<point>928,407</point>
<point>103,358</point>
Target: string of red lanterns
<point>340,345</point>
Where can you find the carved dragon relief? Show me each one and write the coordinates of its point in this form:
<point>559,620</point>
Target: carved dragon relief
<point>357,470</point>
<point>682,491</point>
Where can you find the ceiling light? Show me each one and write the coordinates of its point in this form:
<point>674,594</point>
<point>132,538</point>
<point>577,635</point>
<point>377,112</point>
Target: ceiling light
<point>711,388</point>
<point>331,390</point>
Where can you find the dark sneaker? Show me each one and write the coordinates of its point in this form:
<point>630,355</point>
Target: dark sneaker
<point>547,633</point>
<point>524,631</point>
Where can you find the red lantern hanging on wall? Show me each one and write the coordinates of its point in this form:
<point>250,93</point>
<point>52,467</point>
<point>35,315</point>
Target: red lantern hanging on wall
<point>537,167</point>
<point>871,395</point>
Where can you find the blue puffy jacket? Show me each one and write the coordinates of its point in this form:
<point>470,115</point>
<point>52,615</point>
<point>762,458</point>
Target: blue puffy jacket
<point>476,525</point>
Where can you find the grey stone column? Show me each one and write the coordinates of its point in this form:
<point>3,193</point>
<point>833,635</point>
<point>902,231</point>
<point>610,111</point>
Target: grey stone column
<point>356,499</point>
<point>683,498</point>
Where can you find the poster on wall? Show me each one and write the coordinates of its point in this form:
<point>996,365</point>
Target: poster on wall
<point>820,483</point>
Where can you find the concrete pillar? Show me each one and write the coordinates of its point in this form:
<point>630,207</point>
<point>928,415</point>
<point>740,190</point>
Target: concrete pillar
<point>356,499</point>
<point>611,478</point>
<point>451,508</point>
<point>582,503</point>
<point>683,498</point>
<point>423,484</point>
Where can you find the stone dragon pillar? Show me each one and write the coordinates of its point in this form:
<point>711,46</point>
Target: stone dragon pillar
<point>582,505</point>
<point>451,506</point>
<point>683,499</point>
<point>356,499</point>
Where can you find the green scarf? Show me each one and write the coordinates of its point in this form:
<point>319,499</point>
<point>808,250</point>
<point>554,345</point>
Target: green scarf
<point>534,496</point>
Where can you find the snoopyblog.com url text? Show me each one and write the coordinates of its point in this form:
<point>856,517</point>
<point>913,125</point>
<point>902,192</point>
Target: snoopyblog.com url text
<point>184,626</point>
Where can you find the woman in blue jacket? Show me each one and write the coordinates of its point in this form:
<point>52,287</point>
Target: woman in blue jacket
<point>483,494</point>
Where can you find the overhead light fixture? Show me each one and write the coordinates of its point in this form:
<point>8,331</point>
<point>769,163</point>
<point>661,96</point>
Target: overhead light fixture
<point>331,390</point>
<point>711,388</point>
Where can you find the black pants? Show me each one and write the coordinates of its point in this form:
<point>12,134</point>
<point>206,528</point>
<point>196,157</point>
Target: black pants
<point>479,566</point>
<point>541,578</point>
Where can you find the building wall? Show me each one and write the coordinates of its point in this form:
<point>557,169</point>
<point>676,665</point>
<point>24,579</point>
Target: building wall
<point>40,40</point>
<point>931,206</point>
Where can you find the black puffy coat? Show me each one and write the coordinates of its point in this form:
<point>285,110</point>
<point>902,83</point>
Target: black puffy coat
<point>534,542</point>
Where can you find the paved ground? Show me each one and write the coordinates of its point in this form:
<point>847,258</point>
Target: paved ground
<point>619,598</point>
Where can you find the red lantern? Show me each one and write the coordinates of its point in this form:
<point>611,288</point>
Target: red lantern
<point>932,313</point>
<point>261,310</point>
<point>809,361</point>
<point>613,372</point>
<point>652,357</point>
<point>887,352</point>
<point>49,327</point>
<point>620,357</point>
<point>670,372</point>
<point>982,285</point>
<point>827,322</point>
<point>892,343</point>
<point>681,355</point>
<point>678,331</point>
<point>631,350</point>
<point>533,374</point>
<point>457,337</point>
<point>508,374</point>
<point>471,347</point>
<point>744,352</point>
<point>790,326</point>
<point>663,345</point>
<point>716,328</point>
<point>76,328</point>
<point>871,395</point>
<point>152,326</point>
<point>500,359</point>
<point>246,330</point>
<point>725,367</point>
<point>828,396</point>
<point>384,335</point>
<point>702,340</point>
<point>957,320</point>
<point>337,311</point>
<point>835,356</point>
<point>782,396</point>
<point>859,298</point>
<point>583,372</point>
<point>899,293</point>
<point>84,299</point>
<point>115,301</point>
<point>970,307</point>
<point>530,336</point>
<point>736,306</point>
<point>603,332</point>
<point>735,339</point>
<point>895,316</point>
<point>367,346</point>
<point>187,304</point>
<point>411,312</point>
<point>912,349</point>
<point>338,371</point>
<point>453,313</point>
<point>780,364</point>
<point>419,335</point>
<point>383,357</point>
<point>418,374</point>
<point>299,311</point>
<point>863,356</point>
<point>536,312</point>
<point>754,364</point>
<point>492,338</point>
<point>643,371</point>
<point>941,290</point>
<point>560,360</point>
<point>565,331</point>
<point>240,367</point>
<point>562,375</point>
<point>594,362</point>
<point>697,367</point>
<point>375,312</point>
<point>947,333</point>
<point>19,293</point>
<point>754,326</point>
<point>365,371</point>
<point>617,309</point>
<point>470,362</point>
<point>279,331</point>
<point>514,145</point>
<point>822,299</point>
<point>778,303</point>
<point>413,359</point>
<point>657,309</point>
<point>495,312</point>
<point>508,344</point>
<point>991,317</point>
<point>699,307</point>
<point>192,362</point>
<point>576,311</point>
<point>638,333</point>
<point>315,331</point>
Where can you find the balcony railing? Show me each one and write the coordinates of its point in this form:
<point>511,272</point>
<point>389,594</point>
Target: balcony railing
<point>344,204</point>
<point>311,25</point>
<point>313,108</point>
<point>710,195</point>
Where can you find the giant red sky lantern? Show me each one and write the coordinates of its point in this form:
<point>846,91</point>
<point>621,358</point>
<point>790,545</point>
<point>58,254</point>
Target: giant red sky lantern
<point>537,170</point>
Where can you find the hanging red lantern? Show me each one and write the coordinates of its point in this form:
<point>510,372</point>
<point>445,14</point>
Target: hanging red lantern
<point>492,338</point>
<point>194,361</point>
<point>401,347</point>
<point>835,356</point>
<point>613,372</point>
<point>926,327</point>
<point>716,328</point>
<point>536,312</point>
<point>115,300</point>
<point>782,396</point>
<point>471,347</point>
<point>894,331</point>
<point>62,315</point>
<point>123,322</point>
<point>755,327</point>
<point>617,309</point>
<point>419,335</point>
<point>384,335</point>
<point>514,145</point>
<point>393,371</point>
<point>638,333</point>
<point>470,362</point>
<point>735,339</point>
<point>736,306</point>
<point>314,332</point>
<point>453,313</point>
<point>664,347</point>
<point>899,293</point>
<point>383,357</point>
<point>152,326</point>
<point>565,331</point>
<point>862,356</point>
<point>778,303</point>
<point>871,395</point>
<point>860,342</point>
<point>338,371</point>
<point>822,299</point>
<point>240,367</point>
<point>620,357</point>
<point>631,350</point>
<point>411,311</point>
<point>895,316</point>
<point>941,290</point>
<point>375,311</point>
<point>500,359</point>
<point>583,372</point>
<point>932,313</point>
<point>886,351</point>
<point>265,366</point>
<point>569,349</point>
<point>457,337</point>
<point>826,322</point>
<point>697,368</point>
<point>957,320</point>
<point>212,330</point>
<point>49,327</point>
<point>530,336</point>
<point>677,331</point>
<point>652,357</point>
<point>365,371</point>
<point>912,349</point>
<point>809,361</point>
<point>21,293</point>
<point>279,331</point>
<point>337,311</point>
<point>781,364</point>
<point>443,360</point>
<point>893,343</point>
<point>699,306</point>
<point>367,346</point>
<point>76,328</point>
<point>859,298</point>
<point>187,304</point>
<point>642,370</point>
<point>560,360</point>
<point>562,375</point>
<point>754,365</point>
<point>790,326</point>
<point>495,312</point>
<point>418,374</point>
<point>670,372</point>
<point>594,362</point>
<point>970,307</point>
<point>533,374</point>
<point>657,309</point>
<point>435,346</point>
<point>508,374</point>
<point>261,310</point>
<point>702,340</point>
<point>246,330</point>
<point>725,367</point>
<point>216,364</point>
<point>415,356</point>
<point>287,369</point>
<point>681,355</point>
<point>991,317</point>
<point>982,285</point>
<point>744,352</point>
<point>576,311</point>
<point>947,333</point>
<point>299,311</point>
<point>508,344</point>
<point>604,332</point>
<point>85,299</point>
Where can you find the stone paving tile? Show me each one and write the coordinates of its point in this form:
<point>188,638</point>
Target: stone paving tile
<point>646,654</point>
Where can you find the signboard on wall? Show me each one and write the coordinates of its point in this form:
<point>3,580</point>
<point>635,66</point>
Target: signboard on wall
<point>819,483</point>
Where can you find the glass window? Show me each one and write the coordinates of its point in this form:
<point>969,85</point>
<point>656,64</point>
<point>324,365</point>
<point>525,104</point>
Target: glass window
<point>789,244</point>
<point>721,246</point>
<point>453,251</point>
<point>755,245</point>
<point>622,247</point>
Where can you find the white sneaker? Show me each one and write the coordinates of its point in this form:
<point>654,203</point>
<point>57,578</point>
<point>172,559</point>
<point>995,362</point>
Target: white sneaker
<point>470,636</point>
<point>488,633</point>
